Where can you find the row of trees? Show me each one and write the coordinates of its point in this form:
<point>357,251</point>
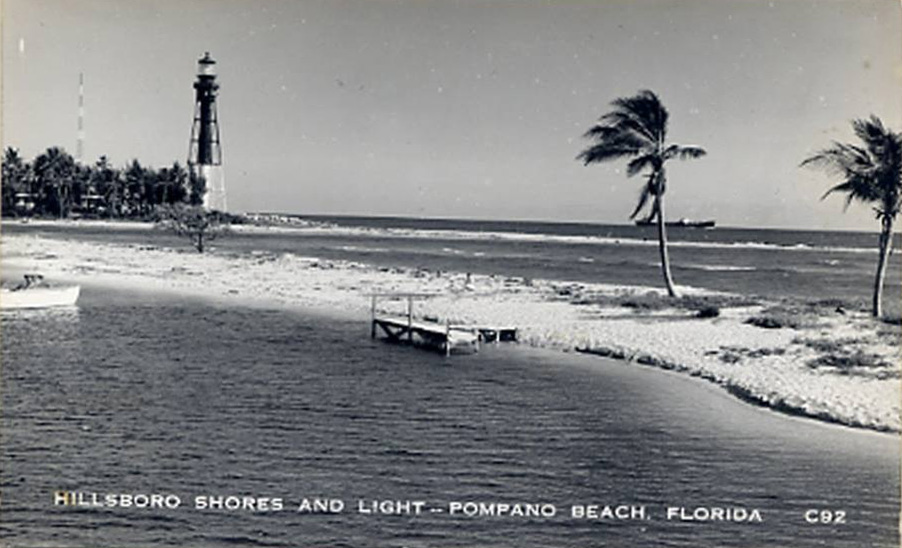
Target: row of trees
<point>870,172</point>
<point>53,184</point>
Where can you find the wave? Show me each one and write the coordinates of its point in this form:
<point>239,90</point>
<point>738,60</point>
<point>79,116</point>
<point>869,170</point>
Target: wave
<point>491,236</point>
<point>719,267</point>
<point>362,249</point>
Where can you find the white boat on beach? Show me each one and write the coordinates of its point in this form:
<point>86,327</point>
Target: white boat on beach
<point>35,293</point>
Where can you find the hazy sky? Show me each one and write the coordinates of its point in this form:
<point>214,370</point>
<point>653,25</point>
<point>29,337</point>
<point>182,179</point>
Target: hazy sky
<point>464,108</point>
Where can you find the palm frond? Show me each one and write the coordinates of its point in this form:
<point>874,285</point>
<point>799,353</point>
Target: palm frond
<point>871,132</point>
<point>848,201</point>
<point>841,159</point>
<point>653,214</point>
<point>651,189</point>
<point>602,132</point>
<point>629,121</point>
<point>603,152</point>
<point>638,164</point>
<point>606,133</point>
<point>645,108</point>
<point>858,187</point>
<point>845,186</point>
<point>644,194</point>
<point>683,152</point>
<point>610,144</point>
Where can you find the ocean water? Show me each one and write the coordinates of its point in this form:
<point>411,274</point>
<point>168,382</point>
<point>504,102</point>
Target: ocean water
<point>810,265</point>
<point>133,393</point>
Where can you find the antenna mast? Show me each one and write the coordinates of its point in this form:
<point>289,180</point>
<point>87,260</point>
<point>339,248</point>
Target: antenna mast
<point>80,146</point>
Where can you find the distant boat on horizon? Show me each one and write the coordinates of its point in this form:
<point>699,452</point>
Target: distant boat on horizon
<point>685,223</point>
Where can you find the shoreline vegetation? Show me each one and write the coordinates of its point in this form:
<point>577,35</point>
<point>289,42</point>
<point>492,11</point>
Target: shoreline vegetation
<point>55,185</point>
<point>815,359</point>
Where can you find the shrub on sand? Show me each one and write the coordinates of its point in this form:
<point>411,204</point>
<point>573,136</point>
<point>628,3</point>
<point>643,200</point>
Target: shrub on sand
<point>778,317</point>
<point>193,222</point>
<point>847,362</point>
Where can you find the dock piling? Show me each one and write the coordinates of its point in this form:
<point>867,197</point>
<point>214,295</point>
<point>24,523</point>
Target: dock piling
<point>447,338</point>
<point>410,319</point>
<point>373,317</point>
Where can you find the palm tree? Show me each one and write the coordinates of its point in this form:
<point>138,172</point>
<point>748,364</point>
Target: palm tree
<point>107,182</point>
<point>637,129</point>
<point>133,177</point>
<point>173,184</point>
<point>15,179</point>
<point>871,174</point>
<point>55,171</point>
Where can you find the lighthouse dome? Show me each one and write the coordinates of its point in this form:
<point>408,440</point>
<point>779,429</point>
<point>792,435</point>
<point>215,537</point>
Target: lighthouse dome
<point>206,66</point>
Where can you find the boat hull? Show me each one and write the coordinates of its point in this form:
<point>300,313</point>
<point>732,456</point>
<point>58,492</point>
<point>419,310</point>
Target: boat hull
<point>39,297</point>
<point>680,224</point>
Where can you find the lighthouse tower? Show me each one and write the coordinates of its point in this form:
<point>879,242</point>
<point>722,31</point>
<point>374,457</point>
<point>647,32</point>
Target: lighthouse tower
<point>204,152</point>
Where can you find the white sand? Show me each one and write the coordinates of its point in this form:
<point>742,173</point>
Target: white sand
<point>716,349</point>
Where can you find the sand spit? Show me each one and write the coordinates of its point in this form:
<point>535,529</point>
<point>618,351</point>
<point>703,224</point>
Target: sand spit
<point>839,366</point>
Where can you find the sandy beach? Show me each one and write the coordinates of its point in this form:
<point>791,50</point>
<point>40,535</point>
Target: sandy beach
<point>810,368</point>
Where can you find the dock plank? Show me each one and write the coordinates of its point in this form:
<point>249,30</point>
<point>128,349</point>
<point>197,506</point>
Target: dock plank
<point>433,334</point>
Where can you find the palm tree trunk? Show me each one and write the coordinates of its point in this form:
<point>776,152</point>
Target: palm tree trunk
<point>886,242</point>
<point>662,240</point>
<point>58,192</point>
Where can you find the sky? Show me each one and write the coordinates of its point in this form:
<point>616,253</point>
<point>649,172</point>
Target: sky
<point>464,108</point>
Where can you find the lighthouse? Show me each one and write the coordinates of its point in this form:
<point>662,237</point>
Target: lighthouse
<point>204,151</point>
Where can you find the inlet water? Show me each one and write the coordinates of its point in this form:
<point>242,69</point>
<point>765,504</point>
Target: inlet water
<point>131,394</point>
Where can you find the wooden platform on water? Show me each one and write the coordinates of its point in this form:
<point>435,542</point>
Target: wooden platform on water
<point>446,338</point>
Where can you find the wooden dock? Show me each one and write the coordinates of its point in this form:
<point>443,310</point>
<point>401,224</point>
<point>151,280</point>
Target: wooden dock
<point>446,337</point>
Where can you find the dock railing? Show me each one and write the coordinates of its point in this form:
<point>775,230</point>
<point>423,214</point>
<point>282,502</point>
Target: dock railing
<point>443,336</point>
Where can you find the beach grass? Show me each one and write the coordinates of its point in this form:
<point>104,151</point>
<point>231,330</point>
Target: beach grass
<point>655,301</point>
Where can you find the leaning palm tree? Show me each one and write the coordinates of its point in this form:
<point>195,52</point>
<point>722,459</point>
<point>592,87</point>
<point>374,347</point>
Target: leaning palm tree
<point>872,174</point>
<point>637,129</point>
